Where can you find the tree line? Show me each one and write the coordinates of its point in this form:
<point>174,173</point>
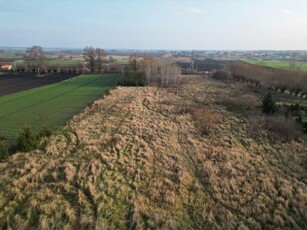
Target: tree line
<point>276,79</point>
<point>36,61</point>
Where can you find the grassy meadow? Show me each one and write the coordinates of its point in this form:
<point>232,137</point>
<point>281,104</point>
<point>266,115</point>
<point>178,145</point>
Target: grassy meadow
<point>280,64</point>
<point>55,62</point>
<point>160,158</point>
<point>52,105</point>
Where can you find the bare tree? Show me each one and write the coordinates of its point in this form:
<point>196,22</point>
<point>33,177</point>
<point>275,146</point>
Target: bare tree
<point>170,74</point>
<point>101,54</point>
<point>35,57</point>
<point>89,55</point>
<point>134,63</point>
<point>151,68</point>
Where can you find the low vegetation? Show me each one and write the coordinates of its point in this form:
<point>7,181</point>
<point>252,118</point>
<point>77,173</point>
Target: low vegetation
<point>3,148</point>
<point>52,105</point>
<point>220,75</point>
<point>283,129</point>
<point>137,159</point>
<point>205,119</point>
<point>289,65</point>
<point>242,103</point>
<point>28,141</point>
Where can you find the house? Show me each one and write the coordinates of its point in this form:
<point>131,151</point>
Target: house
<point>6,67</point>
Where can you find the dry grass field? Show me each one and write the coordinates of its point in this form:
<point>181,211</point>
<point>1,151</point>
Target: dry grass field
<point>159,158</point>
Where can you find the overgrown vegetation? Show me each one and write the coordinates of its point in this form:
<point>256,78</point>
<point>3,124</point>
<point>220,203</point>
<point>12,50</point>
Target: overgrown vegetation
<point>137,159</point>
<point>28,140</point>
<point>220,75</point>
<point>132,78</point>
<point>269,104</point>
<point>283,129</point>
<point>3,148</point>
<point>242,103</point>
<point>205,119</point>
<point>149,72</point>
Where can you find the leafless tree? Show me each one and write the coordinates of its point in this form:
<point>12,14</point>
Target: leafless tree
<point>134,63</point>
<point>35,57</point>
<point>89,55</point>
<point>170,75</point>
<point>151,68</point>
<point>100,56</point>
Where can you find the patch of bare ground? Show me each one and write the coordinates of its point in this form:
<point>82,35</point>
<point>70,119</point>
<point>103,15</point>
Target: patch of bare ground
<point>138,159</point>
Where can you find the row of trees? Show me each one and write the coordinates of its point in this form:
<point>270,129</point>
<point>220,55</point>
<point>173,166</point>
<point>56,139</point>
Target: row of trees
<point>95,58</point>
<point>276,79</point>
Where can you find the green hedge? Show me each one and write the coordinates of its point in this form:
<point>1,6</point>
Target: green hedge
<point>132,78</point>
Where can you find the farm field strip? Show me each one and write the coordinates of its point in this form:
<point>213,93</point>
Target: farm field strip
<point>51,105</point>
<point>55,62</point>
<point>279,64</point>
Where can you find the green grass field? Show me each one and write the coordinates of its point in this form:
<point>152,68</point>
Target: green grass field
<point>65,62</point>
<point>55,63</point>
<point>280,64</point>
<point>52,105</point>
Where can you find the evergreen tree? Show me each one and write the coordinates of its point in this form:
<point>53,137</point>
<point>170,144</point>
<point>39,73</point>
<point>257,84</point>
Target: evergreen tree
<point>269,104</point>
<point>3,148</point>
<point>27,140</point>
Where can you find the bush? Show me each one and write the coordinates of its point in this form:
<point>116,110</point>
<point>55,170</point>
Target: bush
<point>132,78</point>
<point>220,75</point>
<point>279,128</point>
<point>45,132</point>
<point>242,102</point>
<point>283,129</point>
<point>205,119</point>
<point>3,148</point>
<point>269,104</point>
<point>27,140</point>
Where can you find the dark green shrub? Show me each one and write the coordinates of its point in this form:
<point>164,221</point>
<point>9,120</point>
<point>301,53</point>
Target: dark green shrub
<point>27,140</point>
<point>269,104</point>
<point>132,78</point>
<point>220,75</point>
<point>45,132</point>
<point>3,148</point>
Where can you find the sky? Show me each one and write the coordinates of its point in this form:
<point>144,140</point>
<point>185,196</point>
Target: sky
<point>155,24</point>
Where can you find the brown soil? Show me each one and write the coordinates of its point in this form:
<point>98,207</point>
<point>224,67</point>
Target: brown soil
<point>13,83</point>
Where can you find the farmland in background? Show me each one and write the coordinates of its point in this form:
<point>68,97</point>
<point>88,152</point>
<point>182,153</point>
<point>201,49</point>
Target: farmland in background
<point>52,105</point>
<point>290,65</point>
<point>13,83</point>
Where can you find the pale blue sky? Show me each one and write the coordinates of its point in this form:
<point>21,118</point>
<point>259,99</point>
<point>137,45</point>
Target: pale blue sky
<point>155,24</point>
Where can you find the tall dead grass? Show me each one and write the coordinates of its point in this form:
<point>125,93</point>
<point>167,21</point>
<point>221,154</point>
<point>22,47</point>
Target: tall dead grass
<point>135,160</point>
<point>205,119</point>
